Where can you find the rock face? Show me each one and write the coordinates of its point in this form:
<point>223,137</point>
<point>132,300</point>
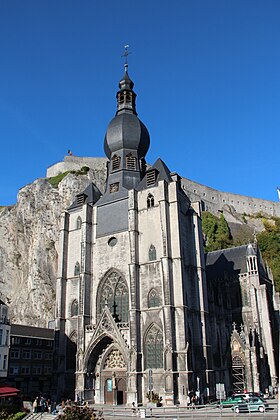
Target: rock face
<point>28,238</point>
<point>29,234</point>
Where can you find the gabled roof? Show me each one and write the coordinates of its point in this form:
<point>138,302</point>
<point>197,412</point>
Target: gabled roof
<point>231,261</point>
<point>162,171</point>
<point>91,196</point>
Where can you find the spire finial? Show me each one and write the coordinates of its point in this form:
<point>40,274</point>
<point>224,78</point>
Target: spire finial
<point>126,53</point>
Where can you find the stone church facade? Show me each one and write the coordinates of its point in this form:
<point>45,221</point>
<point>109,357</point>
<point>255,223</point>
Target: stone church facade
<point>139,307</point>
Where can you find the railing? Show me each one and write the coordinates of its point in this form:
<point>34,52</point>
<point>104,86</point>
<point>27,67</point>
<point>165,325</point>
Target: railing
<point>209,411</point>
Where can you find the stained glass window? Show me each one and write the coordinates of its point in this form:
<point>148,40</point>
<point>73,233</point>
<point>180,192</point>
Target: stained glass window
<point>154,348</point>
<point>153,299</point>
<point>114,294</point>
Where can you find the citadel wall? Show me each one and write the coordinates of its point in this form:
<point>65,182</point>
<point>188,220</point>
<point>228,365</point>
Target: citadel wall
<point>212,200</point>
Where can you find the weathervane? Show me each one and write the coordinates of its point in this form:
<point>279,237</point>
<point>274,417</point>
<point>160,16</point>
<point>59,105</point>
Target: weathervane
<point>126,53</point>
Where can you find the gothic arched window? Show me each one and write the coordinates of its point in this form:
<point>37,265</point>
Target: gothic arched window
<point>152,253</point>
<point>153,347</point>
<point>77,269</point>
<point>74,308</point>
<point>113,292</point>
<point>153,299</point>
<point>78,223</point>
<point>116,162</point>
<point>150,201</point>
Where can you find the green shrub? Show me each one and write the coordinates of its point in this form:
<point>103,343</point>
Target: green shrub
<point>77,413</point>
<point>55,180</point>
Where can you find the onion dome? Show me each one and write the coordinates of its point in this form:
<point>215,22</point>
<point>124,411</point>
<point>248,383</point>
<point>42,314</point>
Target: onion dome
<point>126,131</point>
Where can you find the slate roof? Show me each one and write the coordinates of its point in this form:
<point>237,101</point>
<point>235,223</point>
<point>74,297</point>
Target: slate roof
<point>231,261</point>
<point>163,173</point>
<point>34,332</point>
<point>92,195</point>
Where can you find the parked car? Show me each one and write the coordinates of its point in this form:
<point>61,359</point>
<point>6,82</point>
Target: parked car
<point>230,401</point>
<point>253,404</point>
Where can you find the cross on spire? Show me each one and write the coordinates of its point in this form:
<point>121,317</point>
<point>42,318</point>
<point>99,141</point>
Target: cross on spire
<point>125,54</point>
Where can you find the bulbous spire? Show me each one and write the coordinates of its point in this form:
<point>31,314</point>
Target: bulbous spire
<point>126,131</point>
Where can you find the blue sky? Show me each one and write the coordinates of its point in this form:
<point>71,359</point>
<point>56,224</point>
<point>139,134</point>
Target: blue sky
<point>206,74</point>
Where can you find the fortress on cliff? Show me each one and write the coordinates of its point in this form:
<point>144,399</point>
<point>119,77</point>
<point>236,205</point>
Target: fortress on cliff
<point>211,199</point>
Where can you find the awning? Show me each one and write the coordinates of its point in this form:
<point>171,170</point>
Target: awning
<point>8,391</point>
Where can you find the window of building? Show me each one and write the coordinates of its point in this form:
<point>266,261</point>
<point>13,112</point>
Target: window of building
<point>153,347</point>
<point>77,269</point>
<point>121,98</point>
<point>38,355</point>
<point>81,199</point>
<point>153,299</point>
<point>116,162</point>
<point>49,343</point>
<point>38,342</point>
<point>128,97</point>
<point>113,292</point>
<point>151,178</point>
<point>150,201</point>
<point>78,222</point>
<point>48,356</point>
<point>74,308</point>
<point>15,340</point>
<point>5,362</point>
<point>47,370</point>
<point>114,187</point>
<point>152,253</point>
<point>26,354</point>
<point>28,341</point>
<point>130,162</point>
<point>25,370</point>
<point>37,370</point>
<point>14,353</point>
<point>14,370</point>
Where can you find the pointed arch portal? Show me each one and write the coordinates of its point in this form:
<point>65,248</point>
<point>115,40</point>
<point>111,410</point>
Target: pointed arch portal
<point>105,381</point>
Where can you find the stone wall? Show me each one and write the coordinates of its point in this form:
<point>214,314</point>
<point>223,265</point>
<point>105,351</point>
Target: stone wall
<point>212,200</point>
<point>215,201</point>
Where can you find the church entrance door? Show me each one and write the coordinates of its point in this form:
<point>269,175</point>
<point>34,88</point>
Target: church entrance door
<point>121,391</point>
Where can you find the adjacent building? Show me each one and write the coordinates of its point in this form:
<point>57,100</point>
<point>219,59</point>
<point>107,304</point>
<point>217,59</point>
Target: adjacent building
<point>139,306</point>
<point>31,360</point>
<point>4,339</point>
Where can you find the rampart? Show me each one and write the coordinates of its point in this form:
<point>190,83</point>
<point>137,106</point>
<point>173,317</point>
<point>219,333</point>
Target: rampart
<point>212,200</point>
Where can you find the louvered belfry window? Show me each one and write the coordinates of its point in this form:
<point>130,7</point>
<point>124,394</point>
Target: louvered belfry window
<point>81,199</point>
<point>131,162</point>
<point>116,162</point>
<point>151,178</point>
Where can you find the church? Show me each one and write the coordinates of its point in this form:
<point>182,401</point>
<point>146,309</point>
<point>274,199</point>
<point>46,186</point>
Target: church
<point>141,312</point>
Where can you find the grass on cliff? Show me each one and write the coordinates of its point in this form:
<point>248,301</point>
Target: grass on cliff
<point>55,180</point>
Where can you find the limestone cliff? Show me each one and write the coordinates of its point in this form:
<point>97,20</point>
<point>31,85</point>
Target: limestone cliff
<point>28,240</point>
<point>29,233</point>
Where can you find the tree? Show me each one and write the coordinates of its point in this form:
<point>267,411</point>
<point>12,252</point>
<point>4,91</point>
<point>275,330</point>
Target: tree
<point>216,231</point>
